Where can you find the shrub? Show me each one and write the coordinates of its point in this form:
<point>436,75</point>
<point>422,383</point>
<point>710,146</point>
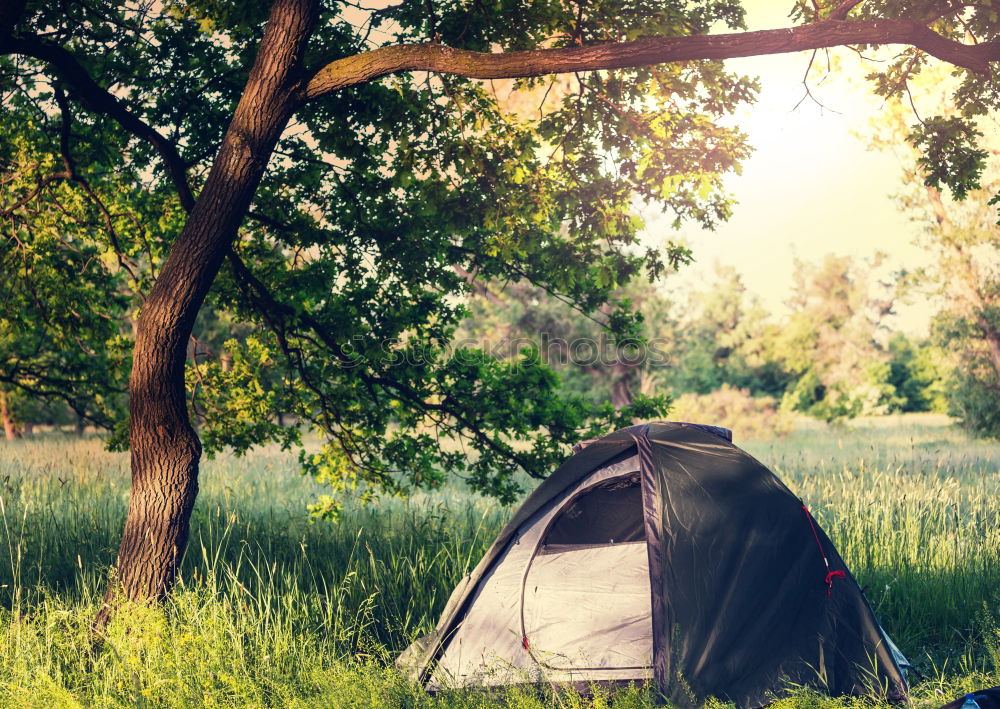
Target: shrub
<point>747,416</point>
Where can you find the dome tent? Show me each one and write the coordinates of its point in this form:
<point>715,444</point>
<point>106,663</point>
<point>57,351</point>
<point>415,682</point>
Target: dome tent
<point>662,552</point>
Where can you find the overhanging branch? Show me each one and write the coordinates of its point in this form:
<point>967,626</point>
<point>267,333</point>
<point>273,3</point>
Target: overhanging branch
<point>278,314</point>
<point>367,66</point>
<point>99,100</point>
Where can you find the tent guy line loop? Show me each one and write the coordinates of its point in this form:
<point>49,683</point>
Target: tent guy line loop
<point>830,574</point>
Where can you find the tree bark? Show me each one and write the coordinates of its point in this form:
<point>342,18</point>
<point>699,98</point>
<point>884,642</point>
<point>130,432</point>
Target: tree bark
<point>165,449</point>
<point>10,428</point>
<point>367,66</point>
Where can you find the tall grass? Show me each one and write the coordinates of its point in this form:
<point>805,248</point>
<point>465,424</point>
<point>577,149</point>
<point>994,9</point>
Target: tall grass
<point>274,610</point>
<point>914,511</point>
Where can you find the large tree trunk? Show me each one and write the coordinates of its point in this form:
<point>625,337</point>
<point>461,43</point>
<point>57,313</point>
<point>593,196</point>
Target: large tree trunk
<point>10,429</point>
<point>165,448</point>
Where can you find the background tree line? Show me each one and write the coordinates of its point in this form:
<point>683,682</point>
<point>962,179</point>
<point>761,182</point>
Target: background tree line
<point>834,355</point>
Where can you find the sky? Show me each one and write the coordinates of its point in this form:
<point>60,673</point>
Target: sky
<point>810,188</point>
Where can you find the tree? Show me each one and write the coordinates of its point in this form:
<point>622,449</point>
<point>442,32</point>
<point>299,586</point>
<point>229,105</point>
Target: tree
<point>375,171</point>
<point>834,343</point>
<point>722,340</point>
<point>966,275</point>
<point>828,357</point>
<point>589,351</point>
<point>960,232</point>
<point>917,373</point>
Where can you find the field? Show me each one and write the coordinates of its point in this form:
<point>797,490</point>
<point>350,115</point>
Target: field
<point>274,610</point>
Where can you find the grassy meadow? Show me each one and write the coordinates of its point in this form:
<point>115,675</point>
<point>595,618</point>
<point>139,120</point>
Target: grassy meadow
<point>274,610</point>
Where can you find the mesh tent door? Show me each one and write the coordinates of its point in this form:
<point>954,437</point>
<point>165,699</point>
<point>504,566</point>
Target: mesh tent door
<point>586,593</point>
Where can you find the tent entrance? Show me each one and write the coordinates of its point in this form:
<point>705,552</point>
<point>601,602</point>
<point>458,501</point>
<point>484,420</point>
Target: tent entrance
<point>585,597</point>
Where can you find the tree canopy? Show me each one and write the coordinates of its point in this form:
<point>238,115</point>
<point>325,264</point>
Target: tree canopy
<point>375,201</point>
<point>959,231</point>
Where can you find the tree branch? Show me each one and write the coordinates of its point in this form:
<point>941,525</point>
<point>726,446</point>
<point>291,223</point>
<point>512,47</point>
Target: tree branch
<point>61,389</point>
<point>64,148</point>
<point>267,304</point>
<point>10,15</point>
<point>42,184</point>
<point>99,100</point>
<point>840,12</point>
<point>367,66</point>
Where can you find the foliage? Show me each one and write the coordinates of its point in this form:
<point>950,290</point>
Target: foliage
<point>949,154</point>
<point>63,289</point>
<point>748,417</point>
<point>346,271</point>
<point>832,343</point>
<point>973,395</point>
<point>917,373</point>
<point>721,336</point>
<point>973,386</point>
<point>831,357</point>
<point>959,232</point>
<point>584,349</point>
<point>275,611</point>
<point>347,268</point>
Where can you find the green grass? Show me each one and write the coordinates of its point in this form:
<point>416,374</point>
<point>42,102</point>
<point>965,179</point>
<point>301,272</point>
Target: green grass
<point>273,610</point>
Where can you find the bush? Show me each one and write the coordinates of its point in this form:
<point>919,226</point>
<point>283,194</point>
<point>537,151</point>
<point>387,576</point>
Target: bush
<point>747,416</point>
<point>974,398</point>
